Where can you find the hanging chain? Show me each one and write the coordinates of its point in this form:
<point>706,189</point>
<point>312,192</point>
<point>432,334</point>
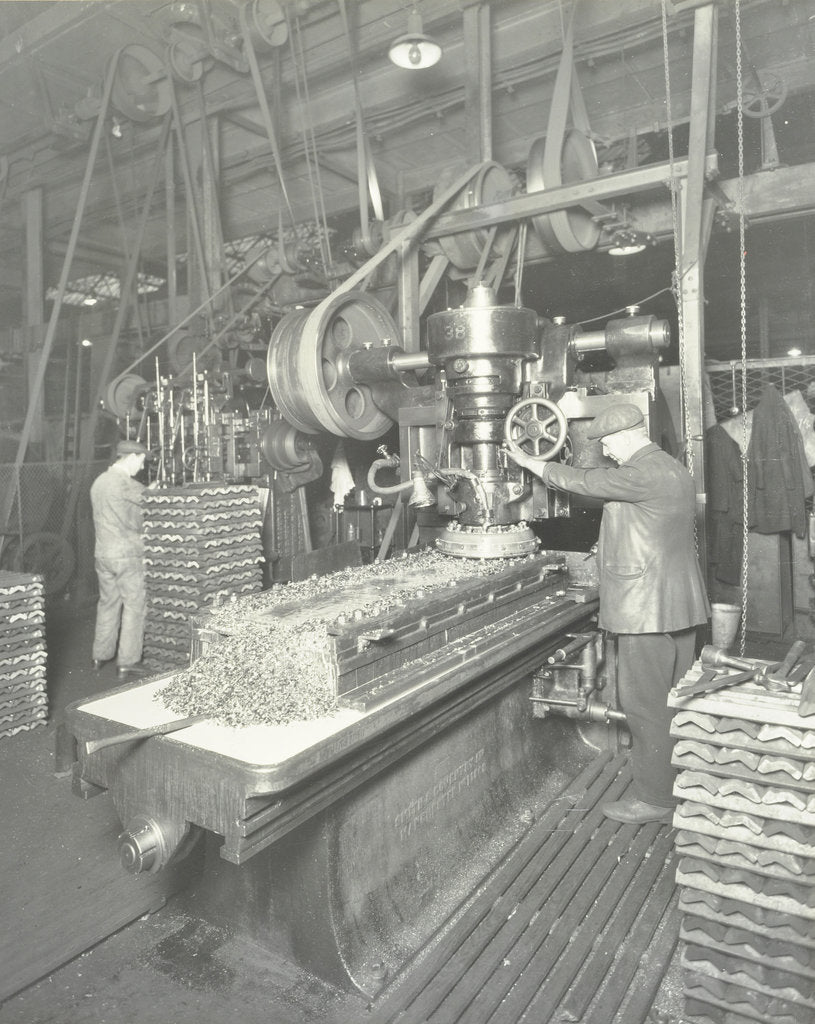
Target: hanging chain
<point>745,489</point>
<point>677,237</point>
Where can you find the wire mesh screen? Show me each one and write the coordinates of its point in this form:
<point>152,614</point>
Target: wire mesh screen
<point>788,374</point>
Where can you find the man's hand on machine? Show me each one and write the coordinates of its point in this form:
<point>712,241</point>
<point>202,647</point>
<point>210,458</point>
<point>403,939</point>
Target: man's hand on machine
<point>526,461</point>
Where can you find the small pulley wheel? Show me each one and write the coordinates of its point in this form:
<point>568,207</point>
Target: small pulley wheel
<point>141,89</point>
<point>47,555</point>
<point>186,57</point>
<point>190,458</point>
<point>263,263</point>
<point>123,394</point>
<point>284,447</point>
<point>185,344</point>
<point>265,22</point>
<point>537,428</point>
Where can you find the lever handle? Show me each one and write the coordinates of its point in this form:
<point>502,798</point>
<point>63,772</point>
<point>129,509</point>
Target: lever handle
<point>91,746</point>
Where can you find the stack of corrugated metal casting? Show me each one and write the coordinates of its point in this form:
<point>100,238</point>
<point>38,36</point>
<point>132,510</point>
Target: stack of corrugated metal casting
<point>201,542</point>
<point>746,841</point>
<point>23,694</point>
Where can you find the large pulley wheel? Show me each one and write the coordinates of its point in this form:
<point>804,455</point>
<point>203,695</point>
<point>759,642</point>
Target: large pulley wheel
<point>492,184</point>
<point>536,428</point>
<point>141,89</point>
<point>307,364</point>
<point>49,556</point>
<point>573,230</point>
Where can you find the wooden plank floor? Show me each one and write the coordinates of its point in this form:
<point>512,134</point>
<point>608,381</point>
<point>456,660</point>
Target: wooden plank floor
<point>579,922</point>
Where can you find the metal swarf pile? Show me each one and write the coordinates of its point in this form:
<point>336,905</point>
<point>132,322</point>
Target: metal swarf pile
<point>272,671</point>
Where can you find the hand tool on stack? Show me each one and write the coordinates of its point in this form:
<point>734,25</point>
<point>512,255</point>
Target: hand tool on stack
<point>806,705</point>
<point>772,676</point>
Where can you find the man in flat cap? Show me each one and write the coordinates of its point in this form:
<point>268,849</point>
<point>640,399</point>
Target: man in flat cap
<point>652,592</point>
<point>117,519</point>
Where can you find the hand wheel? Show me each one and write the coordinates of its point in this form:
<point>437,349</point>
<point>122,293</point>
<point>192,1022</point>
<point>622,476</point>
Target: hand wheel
<point>535,423</point>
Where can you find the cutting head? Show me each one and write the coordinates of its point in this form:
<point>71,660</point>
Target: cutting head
<point>512,541</point>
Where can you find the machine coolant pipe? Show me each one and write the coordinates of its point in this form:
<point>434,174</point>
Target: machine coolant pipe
<point>422,496</point>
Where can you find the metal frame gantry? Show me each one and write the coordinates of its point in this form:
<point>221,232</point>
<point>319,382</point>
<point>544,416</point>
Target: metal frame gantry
<point>688,176</point>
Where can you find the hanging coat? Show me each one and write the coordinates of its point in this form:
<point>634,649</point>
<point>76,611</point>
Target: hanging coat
<point>725,505</point>
<point>779,479</point>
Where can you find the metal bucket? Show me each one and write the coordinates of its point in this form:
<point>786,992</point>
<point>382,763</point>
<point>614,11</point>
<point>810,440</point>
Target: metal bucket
<point>724,624</point>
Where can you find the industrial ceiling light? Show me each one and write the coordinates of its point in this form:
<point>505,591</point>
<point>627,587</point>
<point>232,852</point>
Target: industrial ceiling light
<point>627,242</point>
<point>414,50</point>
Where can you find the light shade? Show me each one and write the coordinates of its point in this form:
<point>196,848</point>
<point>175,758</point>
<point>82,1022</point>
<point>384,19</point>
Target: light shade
<point>627,242</point>
<point>414,50</point>
<point>625,250</point>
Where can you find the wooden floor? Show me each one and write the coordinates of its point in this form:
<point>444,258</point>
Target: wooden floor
<point>578,923</point>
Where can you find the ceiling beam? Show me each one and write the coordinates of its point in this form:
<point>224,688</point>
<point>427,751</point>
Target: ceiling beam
<point>531,204</point>
<point>47,28</point>
<point>768,195</point>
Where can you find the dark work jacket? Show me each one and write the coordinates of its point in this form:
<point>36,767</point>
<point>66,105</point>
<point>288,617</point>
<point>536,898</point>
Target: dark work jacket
<point>650,580</point>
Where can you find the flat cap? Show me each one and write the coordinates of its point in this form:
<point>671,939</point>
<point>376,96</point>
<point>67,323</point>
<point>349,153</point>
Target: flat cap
<point>131,448</point>
<point>616,417</point>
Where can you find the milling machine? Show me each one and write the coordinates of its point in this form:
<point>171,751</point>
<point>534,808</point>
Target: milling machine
<point>345,841</point>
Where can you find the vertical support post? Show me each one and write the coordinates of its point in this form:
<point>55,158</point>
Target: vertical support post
<point>34,299</point>
<point>77,348</point>
<point>193,223</point>
<point>169,192</point>
<point>763,327</point>
<point>409,296</point>
<point>697,221</point>
<point>210,173</point>
<point>478,82</point>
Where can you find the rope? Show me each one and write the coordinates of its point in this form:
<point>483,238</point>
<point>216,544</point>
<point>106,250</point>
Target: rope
<point>745,492</point>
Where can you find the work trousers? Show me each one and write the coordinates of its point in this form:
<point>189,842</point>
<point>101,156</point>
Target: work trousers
<point>648,665</point>
<point>120,611</point>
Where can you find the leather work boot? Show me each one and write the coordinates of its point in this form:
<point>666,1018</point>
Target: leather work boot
<point>636,812</point>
